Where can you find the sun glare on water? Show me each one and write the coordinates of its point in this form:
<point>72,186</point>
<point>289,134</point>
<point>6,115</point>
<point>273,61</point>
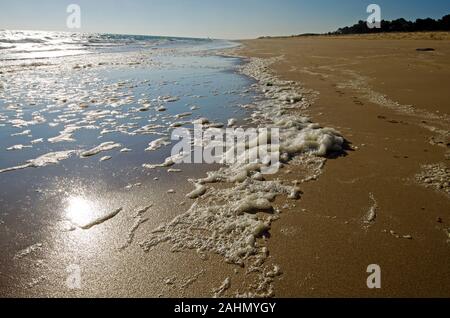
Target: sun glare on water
<point>79,210</point>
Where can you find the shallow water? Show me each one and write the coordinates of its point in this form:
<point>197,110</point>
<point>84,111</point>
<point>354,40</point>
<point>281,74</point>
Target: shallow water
<point>95,106</point>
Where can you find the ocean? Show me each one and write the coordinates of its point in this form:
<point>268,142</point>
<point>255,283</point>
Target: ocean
<point>26,45</point>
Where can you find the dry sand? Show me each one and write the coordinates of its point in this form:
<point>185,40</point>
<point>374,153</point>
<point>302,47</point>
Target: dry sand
<point>391,102</point>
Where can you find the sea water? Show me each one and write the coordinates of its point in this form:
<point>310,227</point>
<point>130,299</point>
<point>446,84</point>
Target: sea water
<point>80,116</point>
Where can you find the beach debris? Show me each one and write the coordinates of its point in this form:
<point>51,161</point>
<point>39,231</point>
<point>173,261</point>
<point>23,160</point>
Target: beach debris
<point>425,49</point>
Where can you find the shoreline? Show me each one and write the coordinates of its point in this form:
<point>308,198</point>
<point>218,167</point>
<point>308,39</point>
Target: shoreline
<point>309,231</point>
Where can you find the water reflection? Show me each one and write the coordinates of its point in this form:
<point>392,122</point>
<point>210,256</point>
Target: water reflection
<point>80,211</point>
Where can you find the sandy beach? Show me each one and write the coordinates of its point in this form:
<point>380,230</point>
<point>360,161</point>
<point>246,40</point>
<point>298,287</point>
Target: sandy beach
<point>91,184</point>
<point>391,102</point>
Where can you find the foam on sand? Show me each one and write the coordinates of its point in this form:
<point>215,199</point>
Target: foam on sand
<point>224,287</point>
<point>89,223</point>
<point>138,220</point>
<point>436,176</point>
<point>198,192</point>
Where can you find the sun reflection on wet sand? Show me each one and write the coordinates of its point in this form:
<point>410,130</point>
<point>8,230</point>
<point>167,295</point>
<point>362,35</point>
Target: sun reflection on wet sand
<point>80,211</point>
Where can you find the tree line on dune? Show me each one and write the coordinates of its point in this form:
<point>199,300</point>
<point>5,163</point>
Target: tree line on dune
<point>399,25</point>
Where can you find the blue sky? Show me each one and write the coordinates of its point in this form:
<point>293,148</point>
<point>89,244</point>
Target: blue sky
<point>230,19</point>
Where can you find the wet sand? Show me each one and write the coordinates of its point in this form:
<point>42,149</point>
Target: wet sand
<point>391,102</point>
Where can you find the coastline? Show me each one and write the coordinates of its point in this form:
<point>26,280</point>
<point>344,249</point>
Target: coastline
<point>390,102</point>
<point>326,216</point>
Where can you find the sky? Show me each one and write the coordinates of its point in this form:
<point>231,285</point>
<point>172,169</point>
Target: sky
<point>226,19</point>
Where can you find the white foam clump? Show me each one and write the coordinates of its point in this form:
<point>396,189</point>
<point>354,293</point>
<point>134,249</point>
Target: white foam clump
<point>232,122</point>
<point>42,161</point>
<point>65,135</point>
<point>201,121</point>
<point>17,147</point>
<point>200,190</point>
<point>230,233</point>
<point>106,146</point>
<point>158,143</point>
<point>37,141</point>
<point>23,133</point>
<point>182,115</point>
<point>170,161</point>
